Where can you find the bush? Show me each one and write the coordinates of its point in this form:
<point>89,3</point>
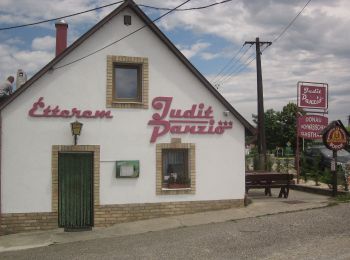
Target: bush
<point>343,198</point>
<point>269,163</point>
<point>327,178</point>
<point>312,169</point>
<point>303,167</point>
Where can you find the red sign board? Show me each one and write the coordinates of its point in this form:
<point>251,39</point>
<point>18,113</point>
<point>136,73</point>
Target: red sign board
<point>313,96</point>
<point>335,139</point>
<point>198,120</point>
<point>310,126</point>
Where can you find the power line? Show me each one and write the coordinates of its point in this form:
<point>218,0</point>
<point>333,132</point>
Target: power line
<point>228,63</point>
<point>126,36</point>
<point>240,68</point>
<point>245,65</point>
<point>276,39</point>
<point>184,9</point>
<point>233,66</point>
<point>59,18</point>
<point>111,4</point>
<point>291,22</point>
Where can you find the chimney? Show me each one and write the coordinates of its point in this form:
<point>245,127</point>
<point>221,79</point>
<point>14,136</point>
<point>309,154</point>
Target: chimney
<point>21,78</point>
<point>61,36</point>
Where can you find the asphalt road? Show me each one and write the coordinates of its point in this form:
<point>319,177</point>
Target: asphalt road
<point>311,234</point>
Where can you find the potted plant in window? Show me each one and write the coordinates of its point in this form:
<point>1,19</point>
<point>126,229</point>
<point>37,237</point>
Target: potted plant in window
<point>171,181</point>
<point>181,181</point>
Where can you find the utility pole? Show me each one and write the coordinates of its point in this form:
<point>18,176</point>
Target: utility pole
<point>261,120</point>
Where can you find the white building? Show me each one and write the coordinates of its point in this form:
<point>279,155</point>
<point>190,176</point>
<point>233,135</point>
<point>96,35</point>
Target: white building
<point>157,138</point>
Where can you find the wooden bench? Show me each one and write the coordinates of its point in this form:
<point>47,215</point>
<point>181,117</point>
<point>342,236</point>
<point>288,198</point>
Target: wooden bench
<point>268,180</point>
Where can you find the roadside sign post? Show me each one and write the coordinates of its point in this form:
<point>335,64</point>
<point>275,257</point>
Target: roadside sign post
<point>297,153</point>
<point>314,97</point>
<point>335,137</point>
<point>334,174</point>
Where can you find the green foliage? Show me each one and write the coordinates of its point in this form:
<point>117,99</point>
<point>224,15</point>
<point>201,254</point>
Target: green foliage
<point>269,163</point>
<point>303,167</point>
<point>343,198</point>
<point>315,169</point>
<point>286,164</point>
<point>280,127</point>
<point>278,168</point>
<point>171,180</point>
<point>255,156</point>
<point>288,117</point>
<point>182,179</point>
<point>311,170</point>
<point>342,177</point>
<point>327,177</point>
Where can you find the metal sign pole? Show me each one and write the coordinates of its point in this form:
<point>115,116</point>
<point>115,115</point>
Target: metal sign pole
<point>297,153</point>
<point>334,174</point>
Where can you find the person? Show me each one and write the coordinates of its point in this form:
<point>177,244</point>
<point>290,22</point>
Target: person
<point>6,87</point>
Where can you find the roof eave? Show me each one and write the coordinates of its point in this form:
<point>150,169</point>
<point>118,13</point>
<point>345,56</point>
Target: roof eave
<point>131,4</point>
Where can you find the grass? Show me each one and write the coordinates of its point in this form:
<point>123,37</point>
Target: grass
<point>343,198</point>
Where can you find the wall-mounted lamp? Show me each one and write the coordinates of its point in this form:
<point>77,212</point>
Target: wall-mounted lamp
<point>76,130</point>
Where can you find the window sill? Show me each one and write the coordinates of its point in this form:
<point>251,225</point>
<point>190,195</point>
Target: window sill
<point>166,189</point>
<point>126,102</point>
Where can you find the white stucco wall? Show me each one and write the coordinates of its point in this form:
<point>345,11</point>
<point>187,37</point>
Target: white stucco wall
<point>27,141</point>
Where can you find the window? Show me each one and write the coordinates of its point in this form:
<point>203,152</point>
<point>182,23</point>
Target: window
<point>175,168</point>
<point>127,82</point>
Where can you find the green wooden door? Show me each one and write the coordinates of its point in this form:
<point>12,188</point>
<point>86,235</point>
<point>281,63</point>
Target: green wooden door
<point>75,190</point>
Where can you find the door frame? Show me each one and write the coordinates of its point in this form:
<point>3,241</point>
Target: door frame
<point>95,149</point>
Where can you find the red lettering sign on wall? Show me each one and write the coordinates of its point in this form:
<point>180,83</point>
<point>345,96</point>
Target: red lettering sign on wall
<point>310,126</point>
<point>198,119</point>
<point>39,109</point>
<point>313,96</point>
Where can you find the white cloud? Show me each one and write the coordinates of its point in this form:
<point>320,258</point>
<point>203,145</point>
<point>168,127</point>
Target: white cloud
<point>193,50</point>
<point>14,41</point>
<point>13,59</point>
<point>46,43</point>
<point>209,55</point>
<point>315,47</point>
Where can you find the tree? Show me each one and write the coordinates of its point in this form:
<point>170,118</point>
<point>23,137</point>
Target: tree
<point>280,127</point>
<point>288,119</point>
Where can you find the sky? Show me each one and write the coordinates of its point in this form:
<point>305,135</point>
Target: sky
<point>315,48</point>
